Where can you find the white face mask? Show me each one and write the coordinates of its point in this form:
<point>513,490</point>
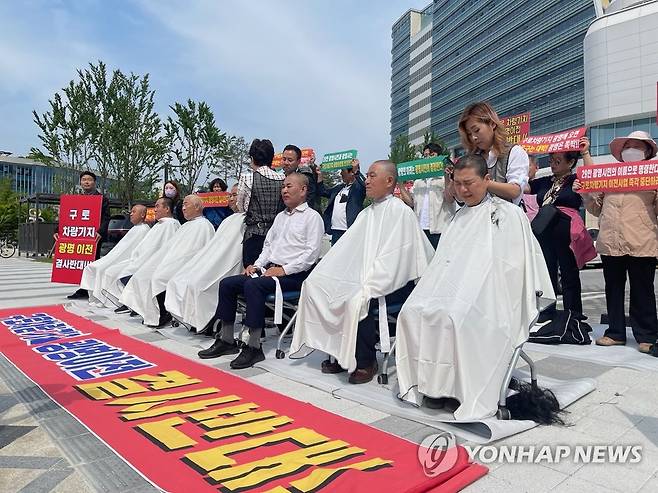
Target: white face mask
<point>630,155</point>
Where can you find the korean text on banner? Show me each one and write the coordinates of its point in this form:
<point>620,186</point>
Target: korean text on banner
<point>214,199</point>
<point>618,177</point>
<point>566,141</point>
<point>79,220</point>
<point>308,154</point>
<point>422,168</point>
<point>518,127</point>
<point>338,160</point>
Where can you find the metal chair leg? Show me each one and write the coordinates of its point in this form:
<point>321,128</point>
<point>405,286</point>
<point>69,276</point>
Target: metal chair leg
<point>531,365</point>
<point>502,399</point>
<point>279,352</point>
<point>382,378</point>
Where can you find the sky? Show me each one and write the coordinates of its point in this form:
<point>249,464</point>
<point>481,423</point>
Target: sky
<point>306,72</point>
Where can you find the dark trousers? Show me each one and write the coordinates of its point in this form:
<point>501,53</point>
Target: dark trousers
<point>641,272</point>
<point>555,243</point>
<point>251,249</point>
<point>367,335</point>
<point>433,237</point>
<point>161,302</point>
<point>254,290</point>
<point>336,235</point>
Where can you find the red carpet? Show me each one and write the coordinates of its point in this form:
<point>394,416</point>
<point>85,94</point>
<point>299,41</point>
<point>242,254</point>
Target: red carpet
<point>189,427</point>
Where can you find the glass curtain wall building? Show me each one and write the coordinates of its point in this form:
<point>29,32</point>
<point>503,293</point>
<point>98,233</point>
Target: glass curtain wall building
<point>520,55</point>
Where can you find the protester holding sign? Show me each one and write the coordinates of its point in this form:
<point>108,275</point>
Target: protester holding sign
<point>345,201</point>
<point>560,229</point>
<point>426,198</point>
<point>628,244</point>
<point>482,132</point>
<point>88,186</point>
<point>291,162</point>
<point>217,214</point>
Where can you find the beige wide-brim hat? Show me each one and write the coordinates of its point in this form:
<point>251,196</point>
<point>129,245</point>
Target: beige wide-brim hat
<point>616,145</point>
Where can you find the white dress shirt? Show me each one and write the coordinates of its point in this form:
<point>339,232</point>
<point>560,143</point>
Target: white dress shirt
<point>246,182</point>
<point>339,213</point>
<point>294,240</point>
<point>518,165</point>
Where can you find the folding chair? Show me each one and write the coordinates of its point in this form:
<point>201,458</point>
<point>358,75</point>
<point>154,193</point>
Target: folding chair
<point>392,311</point>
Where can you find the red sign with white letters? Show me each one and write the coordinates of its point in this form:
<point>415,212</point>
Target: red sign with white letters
<point>618,177</point>
<point>566,141</point>
<point>79,220</point>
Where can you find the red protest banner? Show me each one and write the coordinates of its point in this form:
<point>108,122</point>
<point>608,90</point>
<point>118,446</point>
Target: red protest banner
<point>518,127</point>
<point>618,177</point>
<point>79,220</point>
<point>214,199</point>
<point>188,427</point>
<point>307,155</point>
<point>569,140</point>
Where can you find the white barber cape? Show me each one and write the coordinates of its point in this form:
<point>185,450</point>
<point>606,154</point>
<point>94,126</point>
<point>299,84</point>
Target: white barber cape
<point>92,275</point>
<point>152,277</point>
<point>192,293</point>
<point>150,246</point>
<point>473,306</point>
<point>381,252</point>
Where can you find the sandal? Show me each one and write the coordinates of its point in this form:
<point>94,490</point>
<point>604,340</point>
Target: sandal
<point>609,341</point>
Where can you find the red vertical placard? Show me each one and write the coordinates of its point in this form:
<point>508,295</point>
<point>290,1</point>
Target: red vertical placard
<point>79,220</point>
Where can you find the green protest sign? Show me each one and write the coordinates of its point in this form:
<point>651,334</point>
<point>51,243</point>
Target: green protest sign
<point>338,160</point>
<point>422,168</point>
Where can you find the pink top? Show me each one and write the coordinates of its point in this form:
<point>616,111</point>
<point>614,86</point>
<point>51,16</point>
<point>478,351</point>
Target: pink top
<point>581,245</point>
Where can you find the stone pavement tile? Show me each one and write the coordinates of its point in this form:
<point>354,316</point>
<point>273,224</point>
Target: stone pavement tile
<point>245,373</point>
<point>362,414</point>
<point>650,486</point>
<point>570,485</point>
<point>529,477</point>
<point>618,477</point>
<point>46,481</point>
<point>611,413</point>
<point>491,484</point>
<point>606,431</point>
<point>23,462</point>
<point>397,426</point>
<point>64,426</point>
<point>74,483</point>
<point>9,433</point>
<point>35,443</point>
<point>84,448</point>
<point>12,480</point>
<point>113,475</point>
<point>585,369</point>
<point>149,336</point>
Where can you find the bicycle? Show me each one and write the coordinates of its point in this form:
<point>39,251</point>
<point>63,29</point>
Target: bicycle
<point>7,247</point>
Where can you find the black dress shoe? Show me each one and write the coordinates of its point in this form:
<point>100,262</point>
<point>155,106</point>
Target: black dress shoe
<point>122,309</point>
<point>209,329</point>
<point>219,348</point>
<point>133,313</point>
<point>164,319</point>
<point>332,366</point>
<point>363,375</point>
<point>80,294</point>
<point>247,358</point>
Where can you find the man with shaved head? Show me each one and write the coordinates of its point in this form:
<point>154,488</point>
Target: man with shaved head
<point>375,263</point>
<point>291,249</point>
<point>92,275</point>
<point>145,292</point>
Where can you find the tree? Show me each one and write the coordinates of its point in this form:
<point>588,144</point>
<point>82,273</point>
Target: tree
<point>66,133</point>
<point>235,161</point>
<point>195,142</point>
<point>10,211</point>
<point>401,150</point>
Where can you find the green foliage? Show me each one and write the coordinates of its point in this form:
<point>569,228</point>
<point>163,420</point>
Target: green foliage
<point>10,211</point>
<point>402,151</point>
<point>432,138</point>
<point>235,160</point>
<point>195,141</point>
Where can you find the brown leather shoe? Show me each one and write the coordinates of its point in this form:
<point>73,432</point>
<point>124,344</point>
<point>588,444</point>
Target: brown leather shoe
<point>609,341</point>
<point>363,375</point>
<point>332,366</point>
<point>645,347</point>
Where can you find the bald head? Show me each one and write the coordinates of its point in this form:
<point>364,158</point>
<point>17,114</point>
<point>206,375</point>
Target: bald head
<point>381,179</point>
<point>137,214</point>
<point>295,187</point>
<point>192,207</point>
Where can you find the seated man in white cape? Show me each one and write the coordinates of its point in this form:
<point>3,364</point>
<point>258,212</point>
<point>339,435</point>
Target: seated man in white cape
<point>116,276</point>
<point>192,292</point>
<point>474,305</point>
<point>376,261</point>
<point>92,275</point>
<point>291,249</point>
<point>145,292</point>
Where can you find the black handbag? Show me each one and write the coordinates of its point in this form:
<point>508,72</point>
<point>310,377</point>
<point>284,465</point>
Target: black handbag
<point>544,218</point>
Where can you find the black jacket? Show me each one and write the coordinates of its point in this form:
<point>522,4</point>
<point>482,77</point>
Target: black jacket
<point>355,198</point>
